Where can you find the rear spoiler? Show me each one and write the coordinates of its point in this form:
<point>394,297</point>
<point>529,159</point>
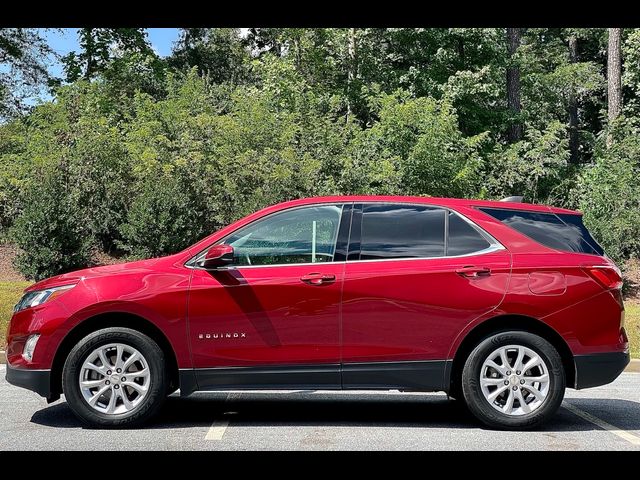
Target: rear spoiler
<point>514,198</point>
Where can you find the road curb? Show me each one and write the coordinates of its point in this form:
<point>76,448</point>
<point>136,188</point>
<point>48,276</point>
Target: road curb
<point>634,366</point>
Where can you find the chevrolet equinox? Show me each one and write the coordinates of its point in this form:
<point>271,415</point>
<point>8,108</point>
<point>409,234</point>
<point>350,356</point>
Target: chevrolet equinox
<point>500,304</point>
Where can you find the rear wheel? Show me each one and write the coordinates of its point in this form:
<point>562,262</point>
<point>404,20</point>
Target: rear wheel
<point>513,380</point>
<point>115,377</point>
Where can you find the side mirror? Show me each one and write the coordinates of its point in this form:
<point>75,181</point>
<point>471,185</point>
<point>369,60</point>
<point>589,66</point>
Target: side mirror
<point>216,257</point>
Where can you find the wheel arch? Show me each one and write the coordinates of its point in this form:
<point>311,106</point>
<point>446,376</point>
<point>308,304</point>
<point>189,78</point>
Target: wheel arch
<point>112,319</point>
<point>504,323</point>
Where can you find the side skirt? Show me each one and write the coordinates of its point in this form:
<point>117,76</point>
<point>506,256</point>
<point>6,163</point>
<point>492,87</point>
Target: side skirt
<point>430,376</point>
<point>415,375</point>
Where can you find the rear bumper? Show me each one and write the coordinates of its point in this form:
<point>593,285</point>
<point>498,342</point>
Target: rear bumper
<point>599,368</point>
<point>38,381</point>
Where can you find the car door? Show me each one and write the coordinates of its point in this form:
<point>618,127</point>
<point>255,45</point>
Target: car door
<point>415,276</point>
<point>272,319</point>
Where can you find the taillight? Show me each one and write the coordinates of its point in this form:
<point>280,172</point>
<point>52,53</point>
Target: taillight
<point>611,279</point>
<point>608,277</point>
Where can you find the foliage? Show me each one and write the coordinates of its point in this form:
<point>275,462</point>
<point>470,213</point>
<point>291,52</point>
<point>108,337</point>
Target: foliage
<point>50,230</point>
<point>532,167</point>
<point>435,158</point>
<point>99,46</point>
<point>609,193</point>
<point>217,53</point>
<point>144,155</point>
<point>632,326</point>
<point>23,55</point>
<point>10,293</point>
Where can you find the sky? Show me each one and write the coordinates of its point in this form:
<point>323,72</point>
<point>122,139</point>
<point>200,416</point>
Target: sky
<point>66,41</point>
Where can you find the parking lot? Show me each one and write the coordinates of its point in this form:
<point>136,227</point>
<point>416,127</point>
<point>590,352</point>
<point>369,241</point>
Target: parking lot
<point>604,418</point>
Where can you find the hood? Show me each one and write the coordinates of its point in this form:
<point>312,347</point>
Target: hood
<point>93,272</point>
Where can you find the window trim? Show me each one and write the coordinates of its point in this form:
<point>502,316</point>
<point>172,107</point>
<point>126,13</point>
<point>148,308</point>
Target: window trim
<point>355,207</point>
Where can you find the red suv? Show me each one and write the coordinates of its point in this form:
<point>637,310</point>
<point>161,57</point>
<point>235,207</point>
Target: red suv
<point>499,304</point>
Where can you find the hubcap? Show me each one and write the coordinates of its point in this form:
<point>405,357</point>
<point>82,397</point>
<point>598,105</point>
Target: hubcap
<point>514,380</point>
<point>114,379</point>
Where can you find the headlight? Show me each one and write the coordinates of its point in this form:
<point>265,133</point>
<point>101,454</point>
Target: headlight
<point>38,297</point>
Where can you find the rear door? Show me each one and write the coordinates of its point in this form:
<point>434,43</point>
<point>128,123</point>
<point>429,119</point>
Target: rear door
<point>416,275</point>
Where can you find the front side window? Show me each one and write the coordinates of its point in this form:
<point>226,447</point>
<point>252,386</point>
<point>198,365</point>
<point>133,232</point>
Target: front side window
<point>299,235</point>
<point>402,231</point>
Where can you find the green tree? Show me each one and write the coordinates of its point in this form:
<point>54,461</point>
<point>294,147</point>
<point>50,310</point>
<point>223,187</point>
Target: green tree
<point>50,230</point>
<point>609,192</point>
<point>23,56</point>
<point>98,48</point>
<point>220,54</point>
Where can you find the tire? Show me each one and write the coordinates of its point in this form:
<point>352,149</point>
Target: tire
<point>539,407</point>
<point>144,400</point>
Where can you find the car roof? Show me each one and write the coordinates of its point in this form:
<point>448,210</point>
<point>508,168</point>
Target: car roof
<point>439,201</point>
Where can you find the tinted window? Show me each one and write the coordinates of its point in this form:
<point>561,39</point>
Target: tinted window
<point>587,241</point>
<point>561,232</point>
<point>301,235</point>
<point>401,231</point>
<point>464,238</point>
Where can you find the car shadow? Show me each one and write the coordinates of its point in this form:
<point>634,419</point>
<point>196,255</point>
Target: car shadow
<point>309,408</point>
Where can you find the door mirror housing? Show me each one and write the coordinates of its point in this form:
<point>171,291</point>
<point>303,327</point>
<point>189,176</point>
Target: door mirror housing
<point>216,257</point>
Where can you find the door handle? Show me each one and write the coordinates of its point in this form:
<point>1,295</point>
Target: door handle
<point>318,278</point>
<point>471,271</point>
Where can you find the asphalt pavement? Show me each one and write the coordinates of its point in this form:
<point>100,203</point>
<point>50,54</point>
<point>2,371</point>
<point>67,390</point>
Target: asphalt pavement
<point>603,418</point>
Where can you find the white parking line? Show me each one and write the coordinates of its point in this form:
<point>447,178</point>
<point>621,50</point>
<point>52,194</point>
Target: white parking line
<point>217,429</point>
<point>629,437</point>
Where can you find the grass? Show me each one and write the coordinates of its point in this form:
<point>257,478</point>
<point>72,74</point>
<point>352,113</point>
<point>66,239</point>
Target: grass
<point>632,325</point>
<point>10,293</point>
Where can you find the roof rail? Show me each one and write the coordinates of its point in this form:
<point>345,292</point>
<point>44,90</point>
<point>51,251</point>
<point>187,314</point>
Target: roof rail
<point>514,198</point>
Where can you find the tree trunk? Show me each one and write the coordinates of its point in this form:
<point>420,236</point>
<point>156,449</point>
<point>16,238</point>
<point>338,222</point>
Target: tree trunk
<point>351,67</point>
<point>614,73</point>
<point>89,52</point>
<point>574,139</point>
<point>614,76</point>
<point>513,85</point>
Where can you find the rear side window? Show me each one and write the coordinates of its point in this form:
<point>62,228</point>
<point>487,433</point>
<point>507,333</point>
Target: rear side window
<point>401,231</point>
<point>564,232</point>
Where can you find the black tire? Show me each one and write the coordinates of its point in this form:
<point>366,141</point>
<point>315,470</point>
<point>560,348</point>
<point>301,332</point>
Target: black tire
<point>480,406</point>
<point>148,406</point>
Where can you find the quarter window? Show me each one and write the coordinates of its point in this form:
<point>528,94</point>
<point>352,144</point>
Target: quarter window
<point>463,237</point>
<point>301,235</point>
<point>561,232</point>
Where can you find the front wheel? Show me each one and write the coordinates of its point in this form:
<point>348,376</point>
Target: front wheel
<point>513,380</point>
<point>115,377</point>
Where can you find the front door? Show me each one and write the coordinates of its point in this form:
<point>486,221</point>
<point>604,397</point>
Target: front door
<point>273,318</point>
<point>416,276</point>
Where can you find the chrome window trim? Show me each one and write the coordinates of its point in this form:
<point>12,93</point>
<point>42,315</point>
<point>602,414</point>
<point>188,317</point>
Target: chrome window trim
<point>494,244</point>
<point>492,249</point>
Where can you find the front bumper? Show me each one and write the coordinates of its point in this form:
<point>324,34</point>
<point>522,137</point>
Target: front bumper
<point>599,368</point>
<point>38,381</point>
